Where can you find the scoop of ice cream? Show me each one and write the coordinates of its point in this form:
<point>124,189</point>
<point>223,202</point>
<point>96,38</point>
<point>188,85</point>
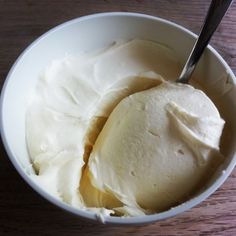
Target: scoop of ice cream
<point>156,148</point>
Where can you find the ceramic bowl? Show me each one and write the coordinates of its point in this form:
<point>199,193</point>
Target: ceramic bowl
<point>92,32</point>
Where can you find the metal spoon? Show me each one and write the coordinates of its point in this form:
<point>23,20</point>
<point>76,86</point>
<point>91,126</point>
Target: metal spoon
<point>214,16</point>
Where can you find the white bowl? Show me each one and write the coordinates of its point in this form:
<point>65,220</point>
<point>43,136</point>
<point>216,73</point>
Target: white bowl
<point>90,33</point>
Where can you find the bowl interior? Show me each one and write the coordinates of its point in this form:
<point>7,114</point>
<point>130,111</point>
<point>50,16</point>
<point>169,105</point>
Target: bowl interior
<point>98,31</point>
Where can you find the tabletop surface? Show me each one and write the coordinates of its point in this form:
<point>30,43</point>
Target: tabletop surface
<point>22,211</point>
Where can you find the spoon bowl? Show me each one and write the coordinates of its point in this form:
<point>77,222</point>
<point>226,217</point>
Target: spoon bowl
<point>88,34</point>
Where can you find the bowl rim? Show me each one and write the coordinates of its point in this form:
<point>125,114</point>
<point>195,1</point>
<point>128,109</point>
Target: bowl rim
<point>91,215</point>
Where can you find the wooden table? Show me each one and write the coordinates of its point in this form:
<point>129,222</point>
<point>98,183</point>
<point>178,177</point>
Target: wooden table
<point>22,211</point>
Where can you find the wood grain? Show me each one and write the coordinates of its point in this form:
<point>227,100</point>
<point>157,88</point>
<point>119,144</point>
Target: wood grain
<point>22,211</point>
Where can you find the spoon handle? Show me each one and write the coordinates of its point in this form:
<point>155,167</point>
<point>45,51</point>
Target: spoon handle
<point>215,13</point>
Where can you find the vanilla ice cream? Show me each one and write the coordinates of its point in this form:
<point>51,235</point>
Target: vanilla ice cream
<point>155,148</point>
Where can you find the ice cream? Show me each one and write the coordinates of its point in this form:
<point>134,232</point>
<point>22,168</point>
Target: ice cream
<point>103,169</point>
<point>156,147</point>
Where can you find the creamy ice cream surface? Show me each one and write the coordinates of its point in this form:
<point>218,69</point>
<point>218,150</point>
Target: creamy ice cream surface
<point>160,146</point>
<point>106,133</point>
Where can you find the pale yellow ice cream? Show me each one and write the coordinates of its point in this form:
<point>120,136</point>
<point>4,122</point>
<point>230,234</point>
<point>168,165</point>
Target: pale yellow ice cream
<point>156,147</point>
<point>153,151</point>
